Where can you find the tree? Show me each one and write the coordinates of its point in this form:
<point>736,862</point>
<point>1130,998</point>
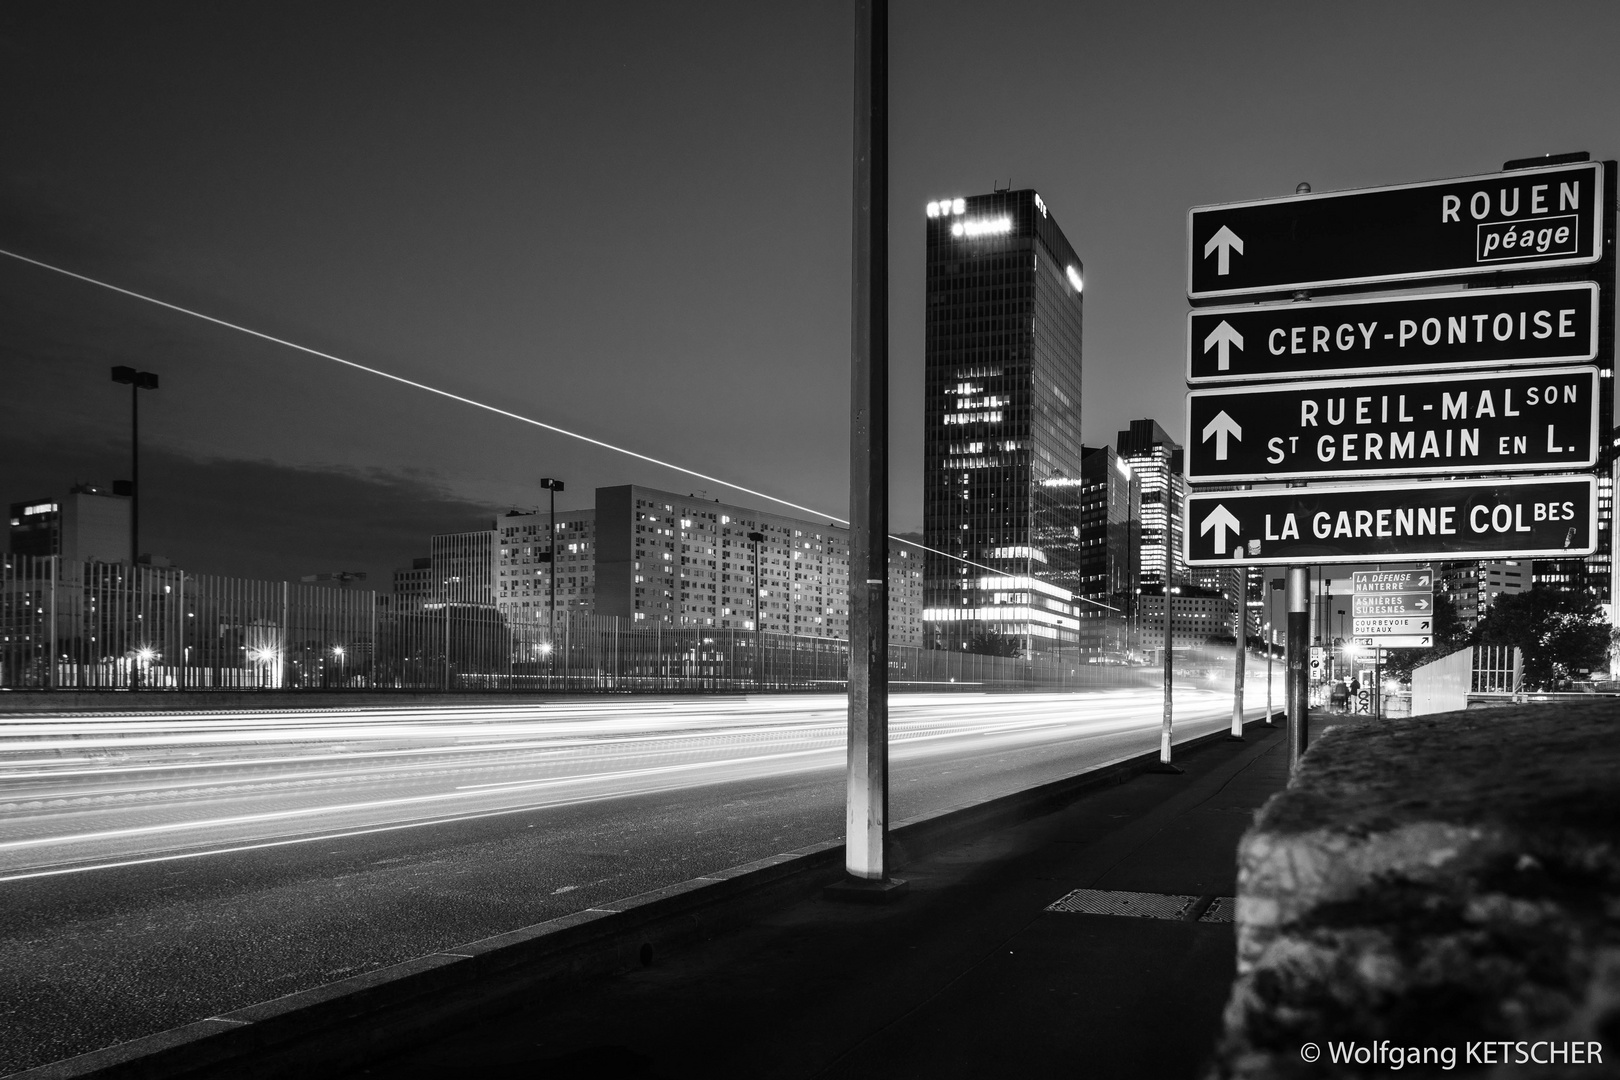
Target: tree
<point>1560,632</point>
<point>991,642</point>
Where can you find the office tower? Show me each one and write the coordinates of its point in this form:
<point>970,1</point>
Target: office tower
<point>1001,443</point>
<point>1157,461</point>
<point>1110,550</point>
<point>87,525</point>
<point>1472,587</point>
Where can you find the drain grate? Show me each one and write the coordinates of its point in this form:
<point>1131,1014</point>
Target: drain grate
<point>1145,905</point>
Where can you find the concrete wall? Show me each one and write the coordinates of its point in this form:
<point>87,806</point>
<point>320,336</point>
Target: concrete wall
<point>1434,882</point>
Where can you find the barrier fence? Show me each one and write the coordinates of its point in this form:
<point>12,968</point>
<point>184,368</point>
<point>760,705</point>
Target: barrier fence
<point>112,626</point>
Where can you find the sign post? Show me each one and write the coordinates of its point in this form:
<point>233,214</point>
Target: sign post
<point>1298,687</point>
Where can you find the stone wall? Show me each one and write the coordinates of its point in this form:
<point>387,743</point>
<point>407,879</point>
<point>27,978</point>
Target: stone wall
<point>1435,882</point>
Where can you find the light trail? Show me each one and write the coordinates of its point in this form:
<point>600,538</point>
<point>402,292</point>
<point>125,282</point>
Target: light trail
<point>85,820</point>
<point>474,402</point>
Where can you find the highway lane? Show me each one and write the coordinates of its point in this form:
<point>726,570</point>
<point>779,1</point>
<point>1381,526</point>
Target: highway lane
<point>156,870</point>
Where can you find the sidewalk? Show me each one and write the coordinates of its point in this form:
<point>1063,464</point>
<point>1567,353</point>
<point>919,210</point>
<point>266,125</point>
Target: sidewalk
<point>968,975</point>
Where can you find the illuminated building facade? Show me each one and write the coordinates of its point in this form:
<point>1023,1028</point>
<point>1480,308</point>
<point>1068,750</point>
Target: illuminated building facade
<point>1110,550</point>
<point>653,556</point>
<point>1156,459</point>
<point>1196,615</point>
<point>1001,442</point>
<point>1472,587</point>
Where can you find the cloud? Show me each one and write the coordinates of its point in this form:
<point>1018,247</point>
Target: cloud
<point>258,519</point>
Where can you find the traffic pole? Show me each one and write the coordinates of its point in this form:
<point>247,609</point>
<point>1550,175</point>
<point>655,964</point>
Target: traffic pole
<point>1298,601</point>
<point>1242,643</point>
<point>1165,765</point>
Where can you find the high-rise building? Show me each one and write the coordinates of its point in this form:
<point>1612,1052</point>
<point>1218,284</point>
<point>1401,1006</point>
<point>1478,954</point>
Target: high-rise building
<point>1001,443</point>
<point>1471,587</point>
<point>413,585</point>
<point>653,556</point>
<point>1156,459</point>
<point>1197,614</point>
<point>87,525</point>
<point>1110,550</point>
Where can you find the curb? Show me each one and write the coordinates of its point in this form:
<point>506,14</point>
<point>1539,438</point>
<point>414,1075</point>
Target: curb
<point>342,1026</point>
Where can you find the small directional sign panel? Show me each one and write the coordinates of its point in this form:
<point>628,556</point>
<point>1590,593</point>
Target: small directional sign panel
<point>1541,420</point>
<point>1525,219</point>
<point>1468,519</point>
<point>1398,641</point>
<point>1475,328</point>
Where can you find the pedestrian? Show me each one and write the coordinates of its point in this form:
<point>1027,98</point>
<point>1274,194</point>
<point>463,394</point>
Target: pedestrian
<point>1339,695</point>
<point>1355,694</point>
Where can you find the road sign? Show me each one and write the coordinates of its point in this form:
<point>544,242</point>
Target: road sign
<point>1379,626</point>
<point>1525,219</point>
<point>1389,605</point>
<point>1469,329</point>
<point>1551,517</point>
<point>1540,420</point>
<point>1398,641</point>
<point>1368,582</point>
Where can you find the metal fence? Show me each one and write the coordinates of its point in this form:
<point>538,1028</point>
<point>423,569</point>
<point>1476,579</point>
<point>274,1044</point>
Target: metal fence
<point>112,626</point>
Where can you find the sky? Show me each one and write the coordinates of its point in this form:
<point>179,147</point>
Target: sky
<point>632,220</point>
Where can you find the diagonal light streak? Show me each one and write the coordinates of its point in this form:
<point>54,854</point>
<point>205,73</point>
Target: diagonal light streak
<point>239,328</point>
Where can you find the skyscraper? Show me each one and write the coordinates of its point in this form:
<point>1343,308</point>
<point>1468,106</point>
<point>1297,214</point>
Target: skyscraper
<point>1001,442</point>
<point>1110,549</point>
<point>1156,459</point>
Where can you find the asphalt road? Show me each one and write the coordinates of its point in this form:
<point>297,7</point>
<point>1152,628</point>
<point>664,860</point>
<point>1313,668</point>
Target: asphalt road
<point>156,870</point>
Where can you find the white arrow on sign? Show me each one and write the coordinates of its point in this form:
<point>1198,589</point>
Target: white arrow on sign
<point>1224,242</point>
<point>1222,427</point>
<point>1220,519</point>
<point>1224,337</point>
<point>1421,604</point>
<point>1424,580</point>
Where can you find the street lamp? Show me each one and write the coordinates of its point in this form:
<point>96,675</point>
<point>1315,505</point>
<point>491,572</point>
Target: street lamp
<point>759,671</point>
<point>138,381</point>
<point>553,486</point>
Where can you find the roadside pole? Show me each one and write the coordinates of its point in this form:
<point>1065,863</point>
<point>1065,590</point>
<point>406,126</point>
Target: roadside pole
<point>1165,764</point>
<point>1299,642</point>
<point>1242,643</point>
<point>867,779</point>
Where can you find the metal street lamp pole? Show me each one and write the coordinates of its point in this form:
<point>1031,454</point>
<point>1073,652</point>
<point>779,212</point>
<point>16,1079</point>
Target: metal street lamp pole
<point>759,669</point>
<point>138,381</point>
<point>553,486</point>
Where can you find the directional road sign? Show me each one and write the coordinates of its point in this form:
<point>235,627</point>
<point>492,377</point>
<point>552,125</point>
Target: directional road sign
<point>1370,582</point>
<point>1379,626</point>
<point>1389,605</point>
<point>1345,523</point>
<point>1475,328</point>
<point>1528,218</point>
<point>1398,641</point>
<point>1541,420</point>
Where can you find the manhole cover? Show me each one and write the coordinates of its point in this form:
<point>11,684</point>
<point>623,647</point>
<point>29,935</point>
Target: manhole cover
<point>1143,905</point>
